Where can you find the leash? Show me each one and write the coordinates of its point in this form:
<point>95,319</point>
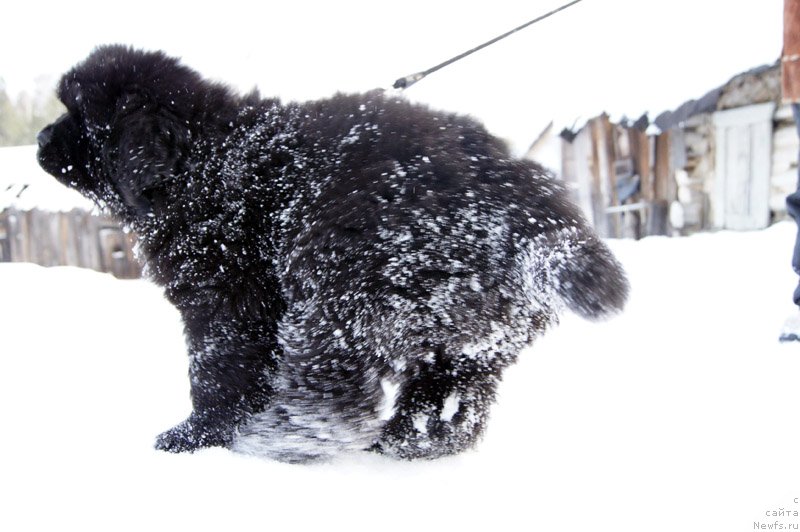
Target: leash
<point>407,81</point>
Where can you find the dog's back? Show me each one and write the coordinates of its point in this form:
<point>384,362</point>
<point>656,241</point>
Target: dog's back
<point>419,260</point>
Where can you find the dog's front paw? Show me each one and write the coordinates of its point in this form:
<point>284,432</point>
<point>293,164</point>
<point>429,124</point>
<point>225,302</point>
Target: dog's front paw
<point>191,435</point>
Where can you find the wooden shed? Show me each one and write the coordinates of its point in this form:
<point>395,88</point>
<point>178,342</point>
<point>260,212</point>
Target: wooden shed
<point>620,176</point>
<point>724,161</point>
<point>43,222</point>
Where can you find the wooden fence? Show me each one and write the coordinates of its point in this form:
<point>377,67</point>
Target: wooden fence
<point>75,238</point>
<point>622,176</point>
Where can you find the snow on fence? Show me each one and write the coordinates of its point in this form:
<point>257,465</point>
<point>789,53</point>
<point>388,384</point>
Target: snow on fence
<point>74,238</point>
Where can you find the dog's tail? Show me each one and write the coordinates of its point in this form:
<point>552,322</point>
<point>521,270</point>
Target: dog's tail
<point>591,281</point>
<point>580,271</point>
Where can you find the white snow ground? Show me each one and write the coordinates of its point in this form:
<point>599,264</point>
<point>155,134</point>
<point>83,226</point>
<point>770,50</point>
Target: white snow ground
<point>681,414</point>
<point>24,185</point>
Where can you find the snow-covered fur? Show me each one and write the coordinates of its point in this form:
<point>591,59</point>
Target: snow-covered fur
<point>353,273</point>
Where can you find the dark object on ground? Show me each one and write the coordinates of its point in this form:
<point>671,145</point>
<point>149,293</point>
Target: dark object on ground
<point>353,273</point>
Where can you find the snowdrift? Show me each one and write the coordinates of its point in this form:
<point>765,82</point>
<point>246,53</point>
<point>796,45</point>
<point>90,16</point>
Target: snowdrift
<point>680,414</point>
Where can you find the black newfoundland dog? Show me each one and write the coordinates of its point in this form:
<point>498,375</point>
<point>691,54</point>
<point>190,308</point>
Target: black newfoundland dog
<point>353,273</point>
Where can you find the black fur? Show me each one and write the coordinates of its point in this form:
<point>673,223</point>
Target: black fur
<point>353,273</point>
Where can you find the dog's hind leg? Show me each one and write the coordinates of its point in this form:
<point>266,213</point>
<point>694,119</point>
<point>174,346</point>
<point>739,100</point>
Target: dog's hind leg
<point>442,406</point>
<point>315,413</point>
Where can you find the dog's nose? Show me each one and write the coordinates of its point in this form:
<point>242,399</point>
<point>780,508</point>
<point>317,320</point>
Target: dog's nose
<point>44,136</point>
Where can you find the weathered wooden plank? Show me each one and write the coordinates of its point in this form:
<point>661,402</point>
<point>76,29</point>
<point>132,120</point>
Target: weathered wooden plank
<point>658,223</point>
<point>76,238</point>
<point>44,238</point>
<point>22,238</point>
<point>5,249</point>
<point>640,153</point>
<point>66,237</point>
<point>600,177</point>
<point>583,174</point>
<point>90,245</point>
<point>582,149</point>
<point>604,193</point>
<point>610,139</point>
<point>663,167</point>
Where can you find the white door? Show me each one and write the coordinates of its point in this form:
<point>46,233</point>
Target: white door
<point>743,160</point>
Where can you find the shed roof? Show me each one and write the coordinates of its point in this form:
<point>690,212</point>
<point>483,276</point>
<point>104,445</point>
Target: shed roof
<point>753,86</point>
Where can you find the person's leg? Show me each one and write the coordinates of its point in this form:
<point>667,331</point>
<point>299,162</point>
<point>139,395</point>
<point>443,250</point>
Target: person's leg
<point>791,329</point>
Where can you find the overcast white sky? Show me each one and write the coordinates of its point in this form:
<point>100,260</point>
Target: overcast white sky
<point>622,56</point>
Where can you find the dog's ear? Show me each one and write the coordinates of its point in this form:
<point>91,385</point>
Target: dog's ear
<point>146,149</point>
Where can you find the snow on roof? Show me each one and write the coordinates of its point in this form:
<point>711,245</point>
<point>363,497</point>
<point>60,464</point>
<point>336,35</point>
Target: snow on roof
<point>715,99</point>
<point>25,186</point>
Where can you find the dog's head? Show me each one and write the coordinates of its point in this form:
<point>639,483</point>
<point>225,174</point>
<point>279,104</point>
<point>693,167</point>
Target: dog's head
<point>127,127</point>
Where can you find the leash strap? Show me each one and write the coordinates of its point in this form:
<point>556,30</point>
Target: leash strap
<point>407,81</point>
